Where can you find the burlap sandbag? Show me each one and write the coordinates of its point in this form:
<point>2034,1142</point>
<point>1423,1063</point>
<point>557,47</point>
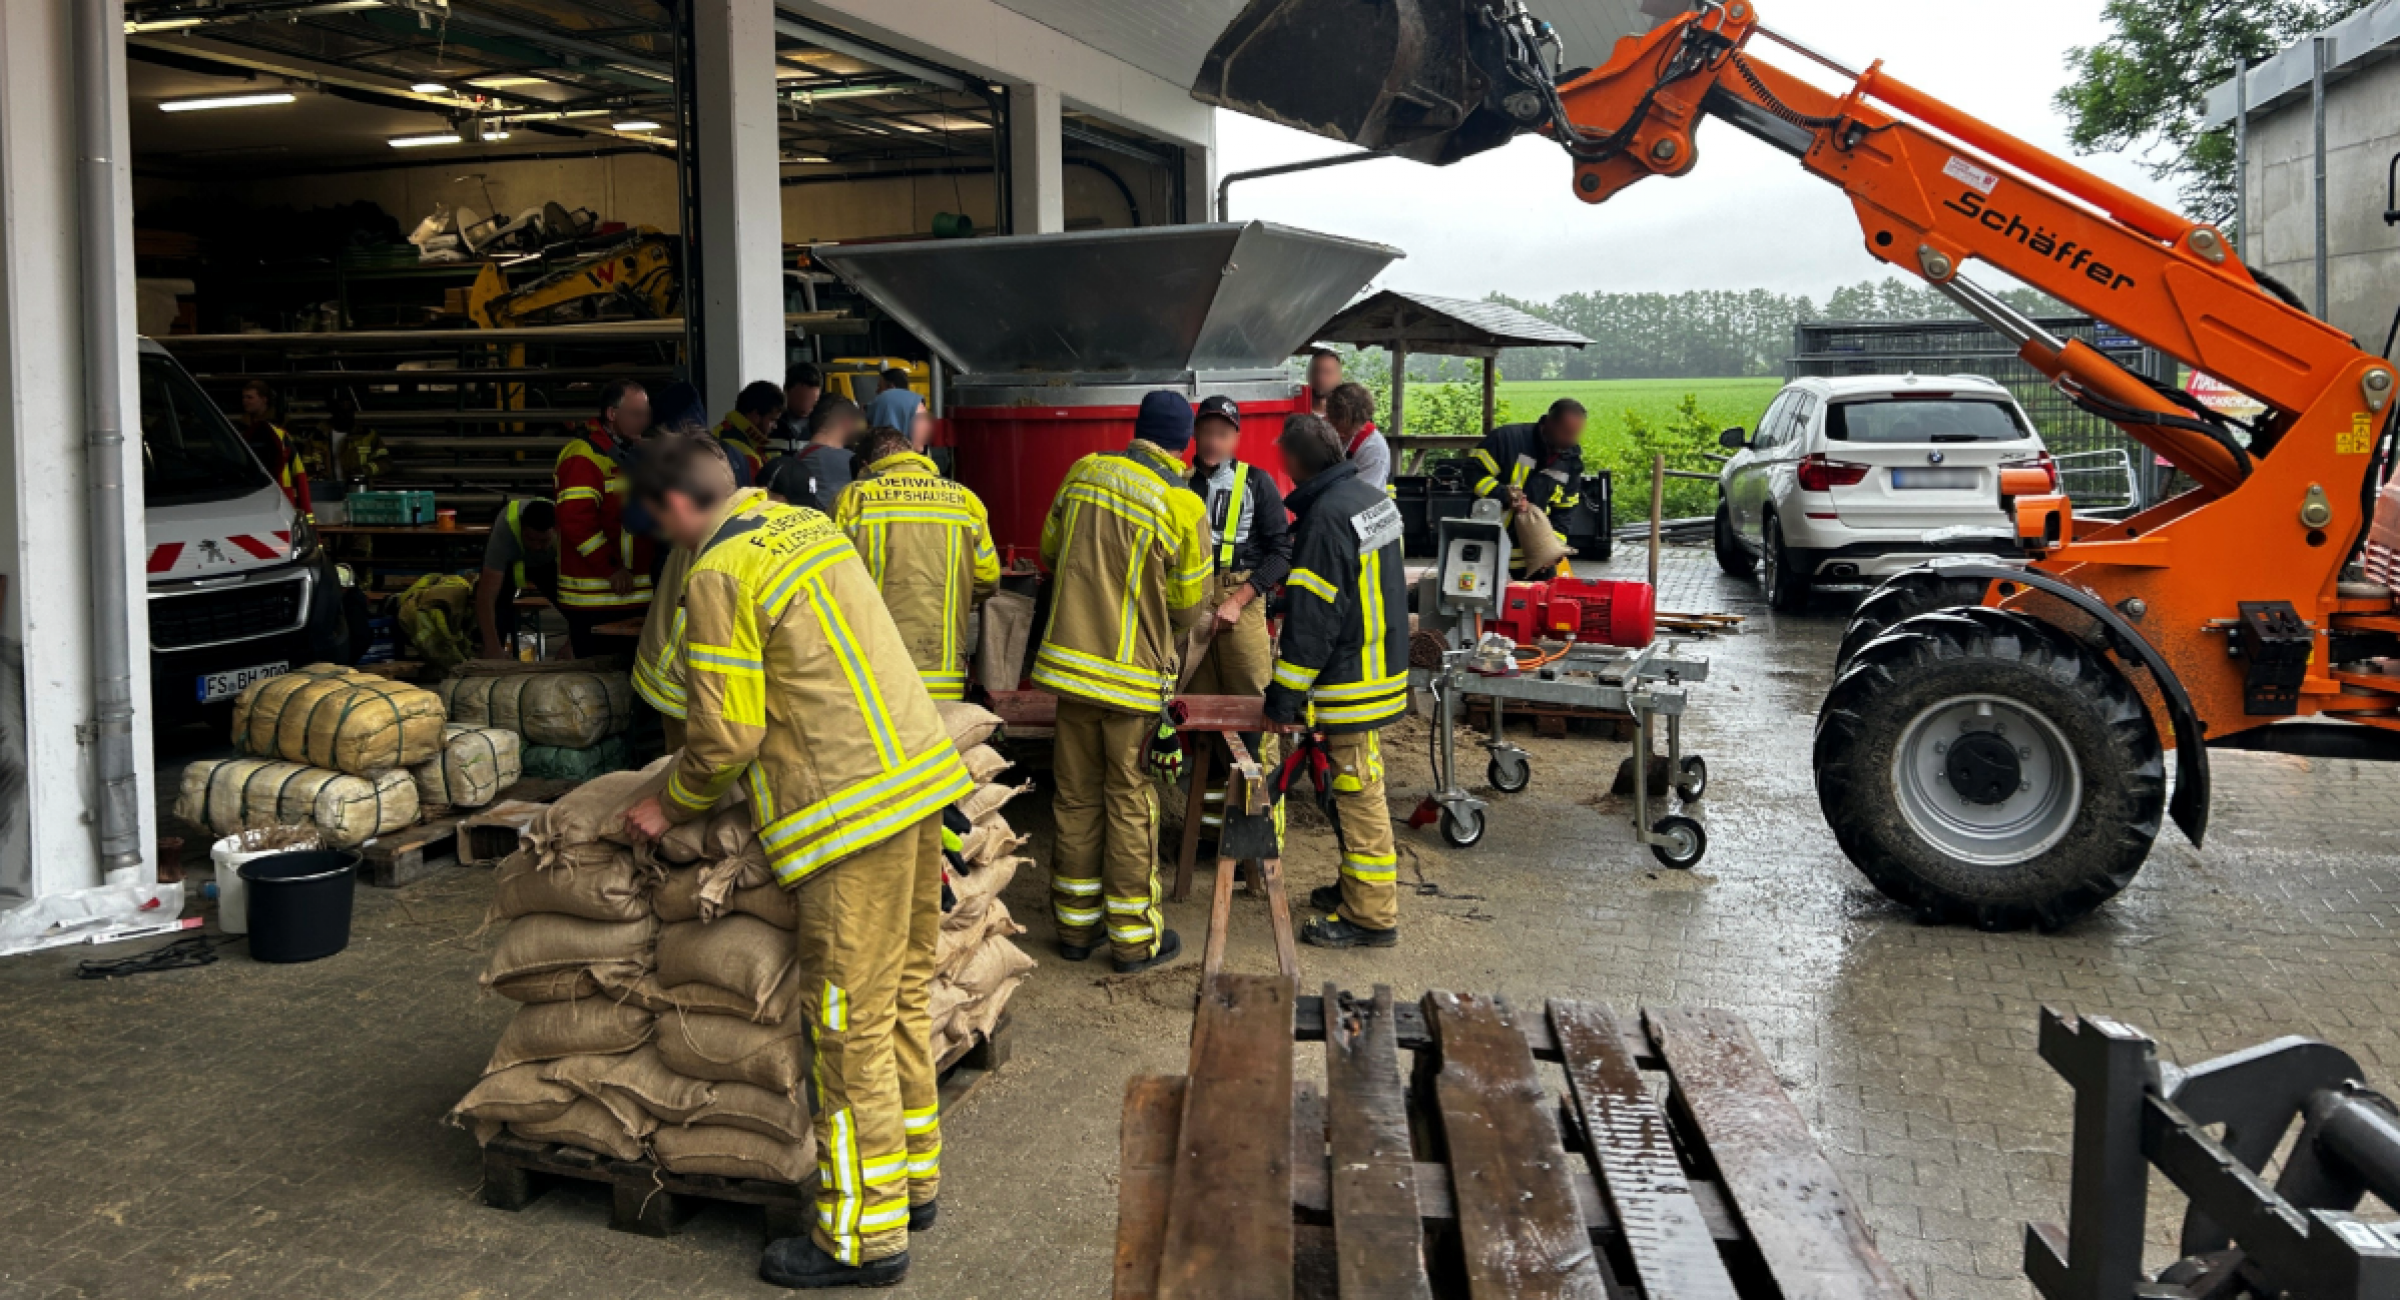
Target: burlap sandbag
<point>732,1153</point>
<point>547,1031</point>
<point>473,767</point>
<point>1000,652</point>
<point>947,1005</point>
<point>995,962</point>
<point>698,998</point>
<point>568,985</point>
<point>741,955</point>
<point>981,1017</point>
<point>608,890</point>
<point>570,710</point>
<point>596,809</point>
<point>990,841</point>
<point>355,724</point>
<point>729,1049</point>
<point>548,941</point>
<point>1538,547</point>
<point>984,763</point>
<point>976,891</point>
<point>953,946</point>
<point>969,725</point>
<point>640,1078</point>
<point>237,794</point>
<point>589,1125</point>
<point>770,1114</point>
<point>712,889</point>
<point>987,800</point>
<point>517,1095</point>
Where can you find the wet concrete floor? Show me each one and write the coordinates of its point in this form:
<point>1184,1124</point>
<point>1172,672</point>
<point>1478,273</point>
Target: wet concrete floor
<point>250,1130</point>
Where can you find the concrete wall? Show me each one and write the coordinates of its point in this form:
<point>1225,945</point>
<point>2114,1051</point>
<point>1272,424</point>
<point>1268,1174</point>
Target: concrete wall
<point>2362,130</point>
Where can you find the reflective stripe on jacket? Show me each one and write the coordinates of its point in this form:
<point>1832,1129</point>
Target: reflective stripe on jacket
<point>658,656</point>
<point>1521,456</point>
<point>1128,551</point>
<point>745,444</point>
<point>1253,531</point>
<point>797,685</point>
<point>592,541</point>
<point>928,543</point>
<point>1344,648</point>
<point>290,474</point>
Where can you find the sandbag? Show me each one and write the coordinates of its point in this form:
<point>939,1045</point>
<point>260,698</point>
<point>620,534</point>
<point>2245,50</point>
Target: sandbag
<point>546,1031</point>
<point>989,841</point>
<point>1000,651</point>
<point>984,763</point>
<point>700,998</point>
<point>639,1078</point>
<point>712,889</point>
<point>596,809</point>
<point>976,891</point>
<point>742,955</point>
<point>437,615</point>
<point>987,800</point>
<point>515,1095</point>
<point>729,1049</point>
<point>571,710</point>
<point>770,1114</point>
<point>969,725</point>
<point>473,767</point>
<point>547,941</point>
<point>589,1125</point>
<point>993,964</point>
<point>553,763</point>
<point>953,946</point>
<point>732,1153</point>
<point>237,794</point>
<point>608,890</point>
<point>568,985</point>
<point>354,723</point>
<point>1538,547</point>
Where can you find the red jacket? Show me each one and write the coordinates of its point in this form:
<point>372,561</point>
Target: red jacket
<point>592,542</point>
<point>274,448</point>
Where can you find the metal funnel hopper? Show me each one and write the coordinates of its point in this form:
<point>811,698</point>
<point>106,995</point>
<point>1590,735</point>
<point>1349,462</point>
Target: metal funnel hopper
<point>1146,305</point>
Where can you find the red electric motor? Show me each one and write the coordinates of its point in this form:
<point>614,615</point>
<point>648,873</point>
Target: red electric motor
<point>1595,612</point>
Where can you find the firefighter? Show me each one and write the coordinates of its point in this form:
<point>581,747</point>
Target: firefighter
<point>815,475</point>
<point>521,554</point>
<point>757,413</point>
<point>928,543</point>
<point>1252,552</point>
<point>797,686</point>
<point>273,446</point>
<point>1127,548</point>
<point>1343,671</point>
<point>1350,409</point>
<point>803,387</point>
<point>604,569</point>
<point>1538,467</point>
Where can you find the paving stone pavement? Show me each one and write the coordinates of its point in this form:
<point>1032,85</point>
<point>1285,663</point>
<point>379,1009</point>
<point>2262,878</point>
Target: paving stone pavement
<point>254,1130</point>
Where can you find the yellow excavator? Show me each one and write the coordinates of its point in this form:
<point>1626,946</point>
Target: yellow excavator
<point>637,274</point>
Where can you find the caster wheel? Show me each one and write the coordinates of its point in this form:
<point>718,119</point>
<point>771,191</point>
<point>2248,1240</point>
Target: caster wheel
<point>1694,783</point>
<point>1462,832</point>
<point>1690,842</point>
<point>1509,774</point>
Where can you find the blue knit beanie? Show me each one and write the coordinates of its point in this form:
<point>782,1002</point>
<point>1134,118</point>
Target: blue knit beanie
<point>1165,421</point>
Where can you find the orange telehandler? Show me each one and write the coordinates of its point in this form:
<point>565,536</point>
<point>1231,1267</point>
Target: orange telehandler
<point>1994,748</point>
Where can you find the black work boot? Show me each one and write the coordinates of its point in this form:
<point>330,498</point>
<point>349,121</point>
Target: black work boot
<point>921,1217</point>
<point>1326,898</point>
<point>1170,946</point>
<point>1331,931</point>
<point>801,1264</point>
<point>1073,952</point>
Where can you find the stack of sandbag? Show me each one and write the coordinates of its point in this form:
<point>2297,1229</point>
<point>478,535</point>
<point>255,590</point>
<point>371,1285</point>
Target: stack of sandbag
<point>475,764</point>
<point>977,966</point>
<point>572,717</point>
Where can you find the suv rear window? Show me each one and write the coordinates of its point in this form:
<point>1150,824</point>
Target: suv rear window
<point>190,452</point>
<point>1925,420</point>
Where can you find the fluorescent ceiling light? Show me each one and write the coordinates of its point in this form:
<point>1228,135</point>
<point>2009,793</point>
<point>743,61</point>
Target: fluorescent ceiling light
<point>494,135</point>
<point>420,141</point>
<point>224,101</point>
<point>503,83</point>
<point>636,126</point>
<point>808,158</point>
<point>133,28</point>
<point>430,88</point>
<point>849,92</point>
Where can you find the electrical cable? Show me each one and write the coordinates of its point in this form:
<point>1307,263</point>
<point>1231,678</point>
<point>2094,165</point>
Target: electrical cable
<point>184,954</point>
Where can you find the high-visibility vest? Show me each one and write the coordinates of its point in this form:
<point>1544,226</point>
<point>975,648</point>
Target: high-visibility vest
<point>1234,477</point>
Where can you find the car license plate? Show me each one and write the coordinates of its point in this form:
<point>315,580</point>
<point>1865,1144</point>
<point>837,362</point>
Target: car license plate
<point>1923,480</point>
<point>224,686</point>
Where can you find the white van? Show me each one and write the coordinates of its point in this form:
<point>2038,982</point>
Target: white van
<point>239,588</point>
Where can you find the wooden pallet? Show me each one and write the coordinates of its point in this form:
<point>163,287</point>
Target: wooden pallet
<point>412,853</point>
<point>1476,1172</point>
<point>647,1201</point>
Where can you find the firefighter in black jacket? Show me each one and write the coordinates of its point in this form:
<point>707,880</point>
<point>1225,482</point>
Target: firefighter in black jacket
<point>1537,466</point>
<point>1343,671</point>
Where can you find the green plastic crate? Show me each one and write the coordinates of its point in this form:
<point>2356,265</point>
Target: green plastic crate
<point>390,507</point>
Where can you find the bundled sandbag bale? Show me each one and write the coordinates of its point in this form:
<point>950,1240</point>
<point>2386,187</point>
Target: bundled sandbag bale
<point>730,1152</point>
<point>589,1125</point>
<point>516,1095</point>
<point>969,725</point>
<point>729,1049</point>
<point>237,794</point>
<point>568,709</point>
<point>739,955</point>
<point>552,763</point>
<point>352,723</point>
<point>548,1031</point>
<point>475,764</point>
<point>596,883</point>
<point>548,941</point>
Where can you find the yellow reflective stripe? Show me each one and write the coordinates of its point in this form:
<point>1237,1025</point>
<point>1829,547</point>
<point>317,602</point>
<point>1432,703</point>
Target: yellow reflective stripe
<point>1316,586</point>
<point>1379,710</point>
<point>861,796</point>
<point>1134,906</point>
<point>762,800</point>
<point>1076,917</point>
<point>1065,682</point>
<point>833,1007</point>
<point>796,854</point>
<point>701,800</point>
<point>1233,515</point>
<point>925,1164</point>
<point>578,494</point>
<point>801,568</point>
<point>924,1119</point>
<point>885,1169</point>
<point>1349,691</point>
<point>1370,616</point>
<point>720,659</point>
<point>1292,676</point>
<point>838,1196</point>
<point>950,581</point>
<point>590,544</point>
<point>865,687</point>
<point>1078,888</point>
<point>894,513</point>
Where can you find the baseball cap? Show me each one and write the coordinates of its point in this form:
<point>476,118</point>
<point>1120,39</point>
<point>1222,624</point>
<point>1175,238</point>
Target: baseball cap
<point>1222,408</point>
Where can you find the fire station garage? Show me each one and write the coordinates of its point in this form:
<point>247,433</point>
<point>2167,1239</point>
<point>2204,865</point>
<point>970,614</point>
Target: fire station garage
<point>1419,648</point>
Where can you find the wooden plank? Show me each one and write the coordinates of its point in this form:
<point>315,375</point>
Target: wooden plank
<point>1145,1175</point>
<point>1808,1232</point>
<point>1378,1231</point>
<point>1279,918</point>
<point>1220,919</point>
<point>487,836</point>
<point>1518,1227</point>
<point>1408,1025</point>
<point>1632,1151</point>
<point>1039,709</point>
<point>1229,1218</point>
<point>407,855</point>
<point>1312,1194</point>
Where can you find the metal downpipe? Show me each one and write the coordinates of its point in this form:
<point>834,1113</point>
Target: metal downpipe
<point>107,348</point>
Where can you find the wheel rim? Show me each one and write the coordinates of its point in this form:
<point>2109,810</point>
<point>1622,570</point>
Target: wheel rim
<point>1955,768</point>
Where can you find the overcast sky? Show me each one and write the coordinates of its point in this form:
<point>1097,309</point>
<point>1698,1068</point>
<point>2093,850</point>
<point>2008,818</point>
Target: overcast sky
<point>1748,217</point>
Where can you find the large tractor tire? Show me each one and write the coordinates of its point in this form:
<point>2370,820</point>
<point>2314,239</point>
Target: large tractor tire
<point>1903,596</point>
<point>1982,767</point>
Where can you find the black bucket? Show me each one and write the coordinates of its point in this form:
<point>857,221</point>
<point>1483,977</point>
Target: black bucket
<point>300,903</point>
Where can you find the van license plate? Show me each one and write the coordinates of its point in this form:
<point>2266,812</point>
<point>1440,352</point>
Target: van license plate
<point>1923,480</point>
<point>224,686</point>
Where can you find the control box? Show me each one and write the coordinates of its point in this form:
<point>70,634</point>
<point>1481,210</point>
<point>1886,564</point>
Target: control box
<point>1475,553</point>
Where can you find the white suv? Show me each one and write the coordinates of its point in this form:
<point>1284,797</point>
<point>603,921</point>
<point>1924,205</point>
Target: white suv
<point>1852,480</point>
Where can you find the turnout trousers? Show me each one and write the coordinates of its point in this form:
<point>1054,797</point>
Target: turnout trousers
<point>1370,860</point>
<point>1104,868</point>
<point>866,936</point>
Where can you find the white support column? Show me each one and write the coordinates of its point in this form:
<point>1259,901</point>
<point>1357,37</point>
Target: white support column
<point>1200,185</point>
<point>50,843</point>
<point>740,199</point>
<point>1037,154</point>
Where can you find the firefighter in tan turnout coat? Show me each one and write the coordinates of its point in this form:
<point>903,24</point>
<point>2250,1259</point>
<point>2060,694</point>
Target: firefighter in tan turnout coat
<point>928,543</point>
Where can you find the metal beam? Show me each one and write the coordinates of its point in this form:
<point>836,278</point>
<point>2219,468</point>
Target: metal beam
<point>866,52</point>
